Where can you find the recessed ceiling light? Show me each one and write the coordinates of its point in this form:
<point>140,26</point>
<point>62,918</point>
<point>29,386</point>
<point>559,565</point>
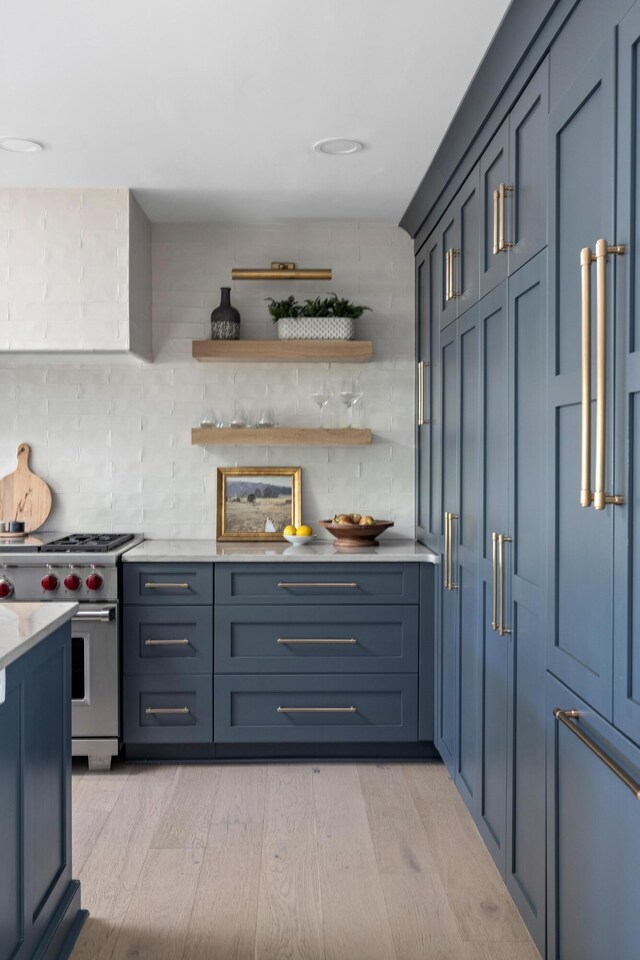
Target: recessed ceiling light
<point>18,145</point>
<point>338,146</point>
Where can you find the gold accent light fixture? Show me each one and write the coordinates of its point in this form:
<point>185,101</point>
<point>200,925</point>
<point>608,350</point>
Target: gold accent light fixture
<point>280,270</point>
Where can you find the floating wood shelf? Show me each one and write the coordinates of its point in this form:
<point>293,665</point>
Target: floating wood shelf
<point>280,436</point>
<point>282,351</point>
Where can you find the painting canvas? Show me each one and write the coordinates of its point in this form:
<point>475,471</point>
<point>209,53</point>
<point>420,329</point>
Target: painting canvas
<point>257,503</point>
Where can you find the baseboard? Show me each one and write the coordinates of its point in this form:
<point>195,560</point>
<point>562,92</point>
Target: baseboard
<point>64,928</point>
<point>289,753</point>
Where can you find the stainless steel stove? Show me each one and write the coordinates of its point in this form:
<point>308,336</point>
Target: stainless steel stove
<point>85,568</point>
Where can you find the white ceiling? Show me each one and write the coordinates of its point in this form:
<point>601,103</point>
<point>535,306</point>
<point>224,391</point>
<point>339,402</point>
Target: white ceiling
<point>208,109</point>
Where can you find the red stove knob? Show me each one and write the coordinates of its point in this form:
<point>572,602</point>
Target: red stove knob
<point>49,582</point>
<point>6,588</point>
<point>94,581</point>
<point>72,581</point>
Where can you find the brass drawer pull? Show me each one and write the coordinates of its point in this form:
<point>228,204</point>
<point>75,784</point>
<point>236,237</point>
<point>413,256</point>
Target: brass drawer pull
<point>182,642</point>
<point>570,719</point>
<point>494,581</point>
<point>316,640</point>
<point>423,420</point>
<point>317,710</point>
<point>502,629</point>
<point>344,585</point>
<point>167,710</point>
<point>166,586</point>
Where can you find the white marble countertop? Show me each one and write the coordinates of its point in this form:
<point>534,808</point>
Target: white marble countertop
<point>208,551</point>
<point>23,625</point>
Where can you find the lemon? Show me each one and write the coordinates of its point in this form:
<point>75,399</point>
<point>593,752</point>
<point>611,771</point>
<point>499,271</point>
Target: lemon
<point>289,531</point>
<point>305,531</point>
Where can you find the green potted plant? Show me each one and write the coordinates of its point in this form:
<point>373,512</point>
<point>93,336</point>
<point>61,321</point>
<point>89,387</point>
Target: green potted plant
<point>323,318</point>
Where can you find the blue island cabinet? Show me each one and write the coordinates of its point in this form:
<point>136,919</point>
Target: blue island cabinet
<point>39,902</point>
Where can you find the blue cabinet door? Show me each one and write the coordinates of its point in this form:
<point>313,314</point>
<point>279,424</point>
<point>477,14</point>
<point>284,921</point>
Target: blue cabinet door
<point>593,838</point>
<point>11,835</point>
<point>446,726</point>
<point>465,265</point>
<point>494,171</point>
<point>428,490</point>
<point>626,708</point>
<point>525,604</point>
<point>491,716</point>
<point>581,211</point>
<point>448,233</point>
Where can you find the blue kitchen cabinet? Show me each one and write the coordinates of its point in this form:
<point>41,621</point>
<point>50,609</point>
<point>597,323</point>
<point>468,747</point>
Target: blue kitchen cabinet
<point>580,581</point>
<point>320,583</point>
<point>594,836</point>
<point>39,902</point>
<point>428,427</point>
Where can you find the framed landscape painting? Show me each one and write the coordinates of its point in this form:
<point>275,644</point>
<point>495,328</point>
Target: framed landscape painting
<point>257,503</point>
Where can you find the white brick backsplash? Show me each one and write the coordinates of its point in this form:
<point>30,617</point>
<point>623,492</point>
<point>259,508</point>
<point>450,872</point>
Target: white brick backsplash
<point>120,431</point>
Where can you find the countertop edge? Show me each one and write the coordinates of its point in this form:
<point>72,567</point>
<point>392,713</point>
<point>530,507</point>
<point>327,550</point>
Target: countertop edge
<point>205,551</point>
<point>54,619</point>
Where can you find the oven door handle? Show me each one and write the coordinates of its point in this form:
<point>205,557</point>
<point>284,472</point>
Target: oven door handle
<point>102,616</point>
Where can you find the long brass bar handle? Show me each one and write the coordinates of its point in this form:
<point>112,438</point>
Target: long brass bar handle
<point>494,580</point>
<point>502,629</point>
<point>600,497</point>
<point>452,584</point>
<point>454,292</point>
<point>423,420</point>
<point>342,585</point>
<point>586,494</point>
<point>503,243</point>
<point>570,719</point>
<point>446,550</point>
<point>166,586</point>
<point>446,277</point>
<point>182,642</point>
<point>317,710</point>
<point>496,200</point>
<point>350,640</point>
<point>167,710</point>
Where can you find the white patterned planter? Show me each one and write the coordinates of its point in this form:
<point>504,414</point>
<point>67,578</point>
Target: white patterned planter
<point>315,328</point>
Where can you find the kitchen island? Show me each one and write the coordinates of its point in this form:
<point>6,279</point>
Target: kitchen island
<point>40,913</point>
<point>238,651</point>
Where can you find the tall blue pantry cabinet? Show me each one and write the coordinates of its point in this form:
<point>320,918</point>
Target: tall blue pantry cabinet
<point>528,468</point>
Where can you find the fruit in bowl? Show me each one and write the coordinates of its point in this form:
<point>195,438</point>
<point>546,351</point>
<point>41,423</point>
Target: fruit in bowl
<point>355,530</point>
<point>298,535</point>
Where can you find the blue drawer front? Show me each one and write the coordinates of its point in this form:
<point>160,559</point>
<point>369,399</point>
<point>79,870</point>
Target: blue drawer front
<point>167,639</point>
<point>187,697</point>
<point>337,639</point>
<point>254,709</point>
<point>317,583</point>
<point>168,583</point>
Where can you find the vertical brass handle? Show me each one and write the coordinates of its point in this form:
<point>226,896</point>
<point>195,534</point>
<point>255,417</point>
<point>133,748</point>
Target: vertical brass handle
<point>452,584</point>
<point>446,277</point>
<point>446,550</point>
<point>496,198</point>
<point>503,243</point>
<point>454,294</point>
<point>423,420</point>
<point>502,628</point>
<point>494,580</point>
<point>598,497</point>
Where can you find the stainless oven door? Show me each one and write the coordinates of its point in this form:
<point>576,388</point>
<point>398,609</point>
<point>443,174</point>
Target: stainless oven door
<point>95,709</point>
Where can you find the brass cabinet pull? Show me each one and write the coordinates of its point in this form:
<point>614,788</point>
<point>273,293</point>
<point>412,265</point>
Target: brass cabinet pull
<point>346,585</point>
<point>446,551</point>
<point>570,719</point>
<point>182,642</point>
<point>166,586</point>
<point>446,277</point>
<point>422,418</point>
<point>496,200</point>
<point>317,710</point>
<point>450,292</point>
<point>596,497</point>
<point>494,580</point>
<point>503,244</point>
<point>351,640</point>
<point>167,710</point>
<point>502,629</point>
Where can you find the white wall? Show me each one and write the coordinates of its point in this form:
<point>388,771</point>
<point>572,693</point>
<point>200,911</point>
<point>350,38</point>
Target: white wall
<point>112,438</point>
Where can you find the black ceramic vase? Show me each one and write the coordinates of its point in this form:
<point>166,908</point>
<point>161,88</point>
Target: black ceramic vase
<point>225,319</point>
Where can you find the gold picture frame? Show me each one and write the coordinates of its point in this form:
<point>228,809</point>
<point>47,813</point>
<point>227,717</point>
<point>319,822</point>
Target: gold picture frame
<point>241,512</point>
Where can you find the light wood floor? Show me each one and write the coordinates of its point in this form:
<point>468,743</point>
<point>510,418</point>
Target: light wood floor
<point>286,862</point>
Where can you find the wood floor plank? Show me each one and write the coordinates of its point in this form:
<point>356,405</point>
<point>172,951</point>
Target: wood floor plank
<point>422,921</point>
<point>289,925</point>
<point>187,815</point>
<point>477,894</point>
<point>157,920</point>
<point>93,799</point>
<point>223,921</point>
<point>354,913</point>
<point>112,869</point>
<point>501,950</point>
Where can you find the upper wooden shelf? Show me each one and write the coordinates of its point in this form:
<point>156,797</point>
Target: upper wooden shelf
<point>281,436</point>
<point>282,351</point>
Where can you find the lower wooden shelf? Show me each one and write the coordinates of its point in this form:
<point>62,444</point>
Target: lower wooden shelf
<point>282,351</point>
<point>280,436</point>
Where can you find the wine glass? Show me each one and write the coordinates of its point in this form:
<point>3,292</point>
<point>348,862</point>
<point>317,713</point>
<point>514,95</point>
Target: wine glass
<point>322,394</point>
<point>350,393</point>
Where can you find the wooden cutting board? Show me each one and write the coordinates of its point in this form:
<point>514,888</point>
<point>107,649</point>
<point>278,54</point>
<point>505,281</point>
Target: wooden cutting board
<point>23,495</point>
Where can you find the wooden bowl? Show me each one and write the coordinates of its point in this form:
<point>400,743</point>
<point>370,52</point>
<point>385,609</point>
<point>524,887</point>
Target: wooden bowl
<point>355,535</point>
